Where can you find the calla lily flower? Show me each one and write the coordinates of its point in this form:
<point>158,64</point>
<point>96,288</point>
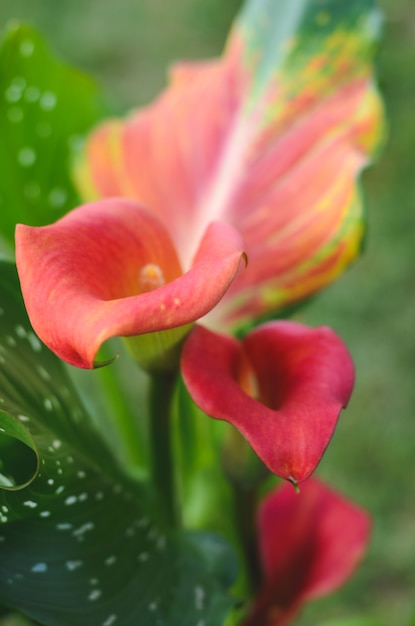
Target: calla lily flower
<point>270,138</point>
<point>110,269</point>
<point>309,544</point>
<point>282,387</point>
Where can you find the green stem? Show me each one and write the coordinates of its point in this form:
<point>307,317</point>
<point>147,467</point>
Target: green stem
<point>127,427</point>
<point>246,474</point>
<point>161,393</point>
<point>245,500</point>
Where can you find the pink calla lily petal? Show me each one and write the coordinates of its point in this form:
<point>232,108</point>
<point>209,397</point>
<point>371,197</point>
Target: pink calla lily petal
<point>309,543</point>
<point>283,388</point>
<point>270,138</point>
<point>110,269</point>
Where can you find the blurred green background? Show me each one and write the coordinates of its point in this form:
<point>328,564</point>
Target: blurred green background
<point>127,46</point>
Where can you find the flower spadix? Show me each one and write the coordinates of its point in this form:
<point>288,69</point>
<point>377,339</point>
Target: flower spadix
<point>309,545</point>
<point>282,387</point>
<point>108,269</point>
<point>270,138</point>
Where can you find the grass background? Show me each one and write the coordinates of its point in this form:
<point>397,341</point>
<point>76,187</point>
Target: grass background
<point>127,46</point>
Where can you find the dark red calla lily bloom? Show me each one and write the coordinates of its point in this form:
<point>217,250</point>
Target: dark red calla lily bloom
<point>109,269</point>
<point>282,387</point>
<point>309,544</point>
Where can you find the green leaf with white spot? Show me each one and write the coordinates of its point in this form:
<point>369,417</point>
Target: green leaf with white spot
<point>45,109</point>
<point>80,542</point>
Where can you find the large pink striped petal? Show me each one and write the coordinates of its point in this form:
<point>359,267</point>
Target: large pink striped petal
<point>283,388</point>
<point>310,543</point>
<point>110,269</point>
<point>270,138</point>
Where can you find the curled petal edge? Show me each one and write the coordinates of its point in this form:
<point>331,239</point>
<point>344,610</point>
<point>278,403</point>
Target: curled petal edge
<point>303,377</point>
<point>63,278</point>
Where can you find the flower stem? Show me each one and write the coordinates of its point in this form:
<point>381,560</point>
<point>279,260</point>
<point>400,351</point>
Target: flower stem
<point>125,421</point>
<point>128,431</point>
<point>245,501</point>
<point>161,393</point>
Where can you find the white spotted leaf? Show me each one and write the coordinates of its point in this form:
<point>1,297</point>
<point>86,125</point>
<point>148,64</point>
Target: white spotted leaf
<point>80,542</point>
<point>45,109</point>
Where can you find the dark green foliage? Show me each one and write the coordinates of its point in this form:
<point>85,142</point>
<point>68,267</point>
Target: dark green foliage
<point>45,109</point>
<point>82,544</point>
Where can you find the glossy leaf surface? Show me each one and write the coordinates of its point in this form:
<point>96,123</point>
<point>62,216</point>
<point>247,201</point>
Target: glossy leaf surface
<point>45,109</point>
<point>81,543</point>
<point>270,137</point>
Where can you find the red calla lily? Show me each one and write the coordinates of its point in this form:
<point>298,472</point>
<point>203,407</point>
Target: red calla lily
<point>110,269</point>
<point>309,544</point>
<point>282,387</point>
